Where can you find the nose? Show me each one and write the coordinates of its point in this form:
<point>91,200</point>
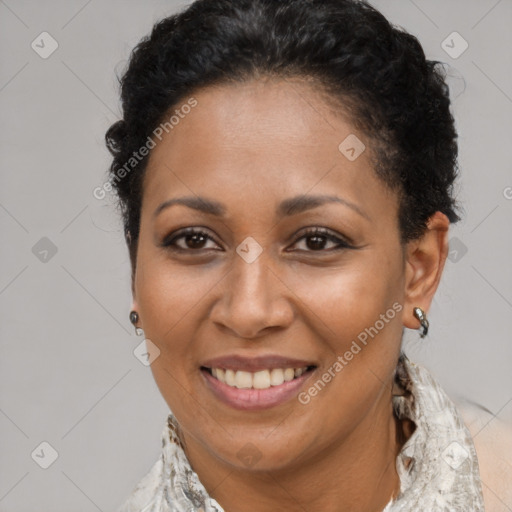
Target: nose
<point>253,299</point>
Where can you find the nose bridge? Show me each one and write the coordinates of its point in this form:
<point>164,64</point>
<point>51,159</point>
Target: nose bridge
<point>251,273</point>
<point>253,297</point>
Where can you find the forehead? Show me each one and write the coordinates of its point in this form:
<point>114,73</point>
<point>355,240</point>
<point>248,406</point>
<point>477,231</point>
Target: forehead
<point>274,137</point>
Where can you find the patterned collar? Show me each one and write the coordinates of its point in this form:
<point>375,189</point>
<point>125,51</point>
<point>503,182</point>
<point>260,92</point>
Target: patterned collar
<point>437,466</point>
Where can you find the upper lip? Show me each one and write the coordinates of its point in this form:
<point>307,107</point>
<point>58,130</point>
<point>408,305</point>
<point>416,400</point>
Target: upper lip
<point>253,364</point>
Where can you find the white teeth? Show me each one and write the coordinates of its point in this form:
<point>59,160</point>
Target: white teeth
<point>276,377</point>
<point>299,372</point>
<point>289,374</point>
<point>230,378</point>
<point>262,379</point>
<point>243,380</point>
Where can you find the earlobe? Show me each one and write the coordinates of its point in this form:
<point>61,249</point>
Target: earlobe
<point>135,320</point>
<point>425,259</point>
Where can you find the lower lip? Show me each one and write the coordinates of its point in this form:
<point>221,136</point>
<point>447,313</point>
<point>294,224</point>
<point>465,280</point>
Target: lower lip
<point>255,399</point>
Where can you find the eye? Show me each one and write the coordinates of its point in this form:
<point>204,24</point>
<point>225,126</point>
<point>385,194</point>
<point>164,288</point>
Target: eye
<point>317,238</point>
<point>193,239</point>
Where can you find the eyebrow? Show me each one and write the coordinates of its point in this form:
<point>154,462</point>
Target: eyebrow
<point>286,208</point>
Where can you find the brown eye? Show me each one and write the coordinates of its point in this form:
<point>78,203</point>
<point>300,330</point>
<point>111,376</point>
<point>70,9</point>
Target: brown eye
<point>316,240</point>
<point>192,239</point>
<point>195,240</point>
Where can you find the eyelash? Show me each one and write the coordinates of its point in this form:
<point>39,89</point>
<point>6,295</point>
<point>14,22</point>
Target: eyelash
<point>169,243</point>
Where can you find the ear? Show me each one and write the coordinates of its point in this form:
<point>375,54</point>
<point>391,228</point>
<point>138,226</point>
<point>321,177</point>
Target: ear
<point>425,259</point>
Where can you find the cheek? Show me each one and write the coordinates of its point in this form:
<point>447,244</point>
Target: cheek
<point>357,325</point>
<point>167,292</point>
<point>350,298</point>
<point>170,306</point>
<point>356,313</point>
<point>173,303</point>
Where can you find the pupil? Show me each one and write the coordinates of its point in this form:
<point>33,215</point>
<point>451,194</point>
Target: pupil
<point>318,242</point>
<point>196,239</point>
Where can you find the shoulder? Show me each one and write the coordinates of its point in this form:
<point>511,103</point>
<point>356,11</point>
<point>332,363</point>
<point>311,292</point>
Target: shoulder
<point>492,437</point>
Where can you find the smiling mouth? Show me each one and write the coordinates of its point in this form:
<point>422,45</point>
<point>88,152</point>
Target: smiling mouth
<point>262,379</point>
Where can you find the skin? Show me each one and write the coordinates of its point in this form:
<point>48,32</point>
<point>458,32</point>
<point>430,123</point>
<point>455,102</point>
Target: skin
<point>250,146</point>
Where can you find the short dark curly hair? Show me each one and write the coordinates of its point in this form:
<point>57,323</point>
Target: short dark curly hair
<point>378,72</point>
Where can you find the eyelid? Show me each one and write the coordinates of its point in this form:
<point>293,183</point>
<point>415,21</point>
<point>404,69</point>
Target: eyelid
<point>343,242</point>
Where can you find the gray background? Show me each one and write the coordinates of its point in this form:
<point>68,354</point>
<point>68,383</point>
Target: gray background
<point>68,373</point>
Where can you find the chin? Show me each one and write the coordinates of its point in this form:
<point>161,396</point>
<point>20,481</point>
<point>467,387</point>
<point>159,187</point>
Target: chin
<point>267,451</point>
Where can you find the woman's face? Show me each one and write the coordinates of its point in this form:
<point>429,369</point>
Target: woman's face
<point>255,291</point>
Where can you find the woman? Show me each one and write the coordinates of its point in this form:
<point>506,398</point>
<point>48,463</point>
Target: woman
<point>285,174</point>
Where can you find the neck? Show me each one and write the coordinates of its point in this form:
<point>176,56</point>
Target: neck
<point>357,474</point>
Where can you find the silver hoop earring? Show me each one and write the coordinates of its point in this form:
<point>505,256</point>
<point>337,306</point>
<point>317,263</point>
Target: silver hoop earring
<point>134,318</point>
<point>422,317</point>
